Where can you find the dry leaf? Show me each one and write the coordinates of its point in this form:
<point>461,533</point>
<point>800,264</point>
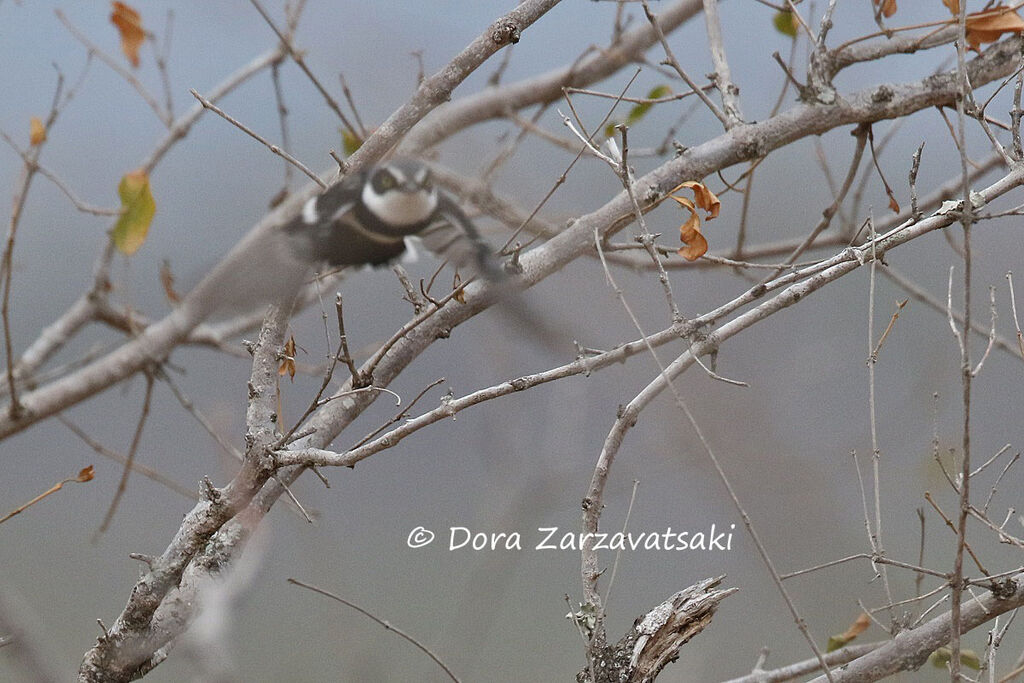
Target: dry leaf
<point>84,475</point>
<point>459,295</point>
<point>889,7</point>
<point>129,25</point>
<point>287,366</point>
<point>860,624</point>
<point>990,25</point>
<point>37,131</point>
<point>167,280</point>
<point>689,232</point>
<point>138,207</point>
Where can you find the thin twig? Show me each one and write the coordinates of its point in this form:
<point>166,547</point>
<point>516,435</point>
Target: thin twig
<point>387,625</point>
<point>207,104</point>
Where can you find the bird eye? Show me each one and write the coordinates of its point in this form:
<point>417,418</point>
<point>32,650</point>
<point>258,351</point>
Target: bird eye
<point>384,181</point>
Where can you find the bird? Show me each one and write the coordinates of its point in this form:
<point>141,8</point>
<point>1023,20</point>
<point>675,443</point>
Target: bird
<point>379,215</point>
<point>373,217</point>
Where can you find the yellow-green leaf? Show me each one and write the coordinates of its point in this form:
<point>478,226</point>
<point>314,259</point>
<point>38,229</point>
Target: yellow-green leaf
<point>940,658</point>
<point>638,111</point>
<point>137,207</point>
<point>785,24</point>
<point>350,141</point>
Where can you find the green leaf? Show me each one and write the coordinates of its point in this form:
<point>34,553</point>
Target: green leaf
<point>350,141</point>
<point>785,24</point>
<point>968,658</point>
<point>639,110</point>
<point>137,207</point>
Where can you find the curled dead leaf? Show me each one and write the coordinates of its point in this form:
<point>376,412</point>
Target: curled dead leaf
<point>989,25</point>
<point>860,624</point>
<point>167,280</point>
<point>85,474</point>
<point>287,366</point>
<point>889,7</point>
<point>129,25</point>
<point>690,232</point>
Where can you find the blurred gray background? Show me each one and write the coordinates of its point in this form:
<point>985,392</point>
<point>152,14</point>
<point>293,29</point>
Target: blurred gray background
<point>524,461</point>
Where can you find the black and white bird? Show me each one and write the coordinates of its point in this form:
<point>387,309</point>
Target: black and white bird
<point>377,216</point>
<point>371,218</point>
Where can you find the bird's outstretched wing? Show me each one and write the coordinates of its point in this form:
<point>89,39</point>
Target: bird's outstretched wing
<point>453,237</point>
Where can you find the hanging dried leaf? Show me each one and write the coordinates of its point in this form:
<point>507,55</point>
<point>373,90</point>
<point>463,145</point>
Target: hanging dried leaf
<point>137,209</point>
<point>858,627</point>
<point>990,25</point>
<point>129,25</point>
<point>167,280</point>
<point>459,295</point>
<point>37,131</point>
<point>84,475</point>
<point>953,6</point>
<point>706,199</point>
<point>889,7</point>
<point>287,366</point>
<point>689,232</point>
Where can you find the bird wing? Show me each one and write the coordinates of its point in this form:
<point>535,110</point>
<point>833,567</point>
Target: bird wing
<point>453,237</point>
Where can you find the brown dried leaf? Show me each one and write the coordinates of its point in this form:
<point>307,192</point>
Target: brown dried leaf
<point>85,474</point>
<point>893,204</point>
<point>990,25</point>
<point>689,232</point>
<point>459,295</point>
<point>860,624</point>
<point>287,366</point>
<point>888,7</point>
<point>167,280</point>
<point>37,131</point>
<point>706,199</point>
<point>129,25</point>
<point>953,6</point>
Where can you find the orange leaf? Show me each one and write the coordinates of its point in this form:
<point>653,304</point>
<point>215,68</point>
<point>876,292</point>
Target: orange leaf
<point>990,25</point>
<point>287,366</point>
<point>167,280</point>
<point>889,7</point>
<point>129,25</point>
<point>37,131</point>
<point>706,199</point>
<point>689,232</point>
<point>860,624</point>
<point>459,295</point>
<point>953,5</point>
